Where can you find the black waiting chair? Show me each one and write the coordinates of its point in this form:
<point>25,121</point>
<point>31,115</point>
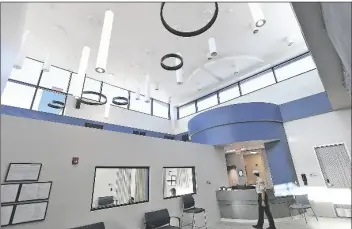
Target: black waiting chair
<point>190,208</point>
<point>160,219</point>
<point>92,226</point>
<point>302,204</point>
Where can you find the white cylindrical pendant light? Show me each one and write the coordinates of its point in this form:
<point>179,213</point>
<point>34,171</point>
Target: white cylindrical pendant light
<point>83,64</point>
<point>22,53</point>
<point>47,65</point>
<point>104,42</point>
<point>257,14</point>
<point>107,108</point>
<point>138,94</point>
<point>212,47</point>
<point>147,88</point>
<point>179,72</point>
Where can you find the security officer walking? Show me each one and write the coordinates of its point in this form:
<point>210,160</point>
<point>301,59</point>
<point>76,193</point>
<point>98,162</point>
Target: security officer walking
<point>263,203</point>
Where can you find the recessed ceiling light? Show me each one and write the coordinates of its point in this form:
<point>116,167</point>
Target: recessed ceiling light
<point>289,41</point>
<point>254,28</point>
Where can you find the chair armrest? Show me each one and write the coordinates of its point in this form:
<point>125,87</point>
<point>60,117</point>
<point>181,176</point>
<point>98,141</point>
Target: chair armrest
<point>149,226</point>
<point>178,218</point>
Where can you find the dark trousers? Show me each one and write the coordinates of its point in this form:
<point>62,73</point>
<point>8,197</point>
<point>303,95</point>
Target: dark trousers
<point>266,209</point>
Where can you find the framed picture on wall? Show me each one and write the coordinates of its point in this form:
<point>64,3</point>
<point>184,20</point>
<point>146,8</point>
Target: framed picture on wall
<point>29,212</point>
<point>23,172</point>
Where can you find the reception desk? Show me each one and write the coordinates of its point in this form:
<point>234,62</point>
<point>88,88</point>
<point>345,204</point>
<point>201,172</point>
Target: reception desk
<point>243,204</point>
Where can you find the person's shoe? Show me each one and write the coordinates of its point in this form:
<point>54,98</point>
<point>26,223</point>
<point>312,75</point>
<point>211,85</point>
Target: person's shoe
<point>258,227</point>
<point>271,227</point>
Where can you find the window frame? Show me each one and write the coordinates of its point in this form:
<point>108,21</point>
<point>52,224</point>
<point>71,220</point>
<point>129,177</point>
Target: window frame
<point>227,88</point>
<point>194,180</point>
<point>158,101</point>
<point>271,69</point>
<point>291,61</point>
<point>260,74</point>
<point>66,91</point>
<point>187,104</point>
<point>215,94</point>
<point>120,167</point>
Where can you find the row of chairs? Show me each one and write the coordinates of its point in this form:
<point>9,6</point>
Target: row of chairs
<point>162,219</point>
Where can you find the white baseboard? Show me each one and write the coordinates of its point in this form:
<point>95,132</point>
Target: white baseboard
<point>251,221</point>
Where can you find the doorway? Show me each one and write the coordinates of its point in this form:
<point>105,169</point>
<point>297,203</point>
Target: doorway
<point>335,165</point>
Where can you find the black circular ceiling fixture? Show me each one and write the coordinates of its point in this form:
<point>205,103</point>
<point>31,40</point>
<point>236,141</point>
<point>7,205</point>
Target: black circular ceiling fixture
<point>122,101</point>
<point>56,104</point>
<point>192,33</point>
<point>171,68</point>
<point>95,103</point>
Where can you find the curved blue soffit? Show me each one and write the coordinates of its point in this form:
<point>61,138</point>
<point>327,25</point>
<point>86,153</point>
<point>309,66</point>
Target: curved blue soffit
<point>238,122</point>
<point>247,122</point>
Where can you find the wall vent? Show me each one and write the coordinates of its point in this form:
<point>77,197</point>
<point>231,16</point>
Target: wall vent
<point>169,137</point>
<point>92,125</point>
<point>185,138</point>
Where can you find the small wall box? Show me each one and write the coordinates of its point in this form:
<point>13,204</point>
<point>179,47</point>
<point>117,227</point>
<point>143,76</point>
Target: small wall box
<point>75,160</point>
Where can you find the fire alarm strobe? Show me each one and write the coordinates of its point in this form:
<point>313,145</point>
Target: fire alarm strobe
<point>75,160</point>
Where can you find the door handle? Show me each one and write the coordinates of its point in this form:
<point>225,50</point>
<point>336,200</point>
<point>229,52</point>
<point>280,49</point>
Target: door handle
<point>328,183</point>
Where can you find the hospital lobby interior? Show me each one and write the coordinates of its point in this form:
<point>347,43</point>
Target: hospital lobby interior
<point>170,115</point>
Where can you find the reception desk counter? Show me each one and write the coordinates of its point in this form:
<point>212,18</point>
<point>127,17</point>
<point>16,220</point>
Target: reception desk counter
<point>243,204</point>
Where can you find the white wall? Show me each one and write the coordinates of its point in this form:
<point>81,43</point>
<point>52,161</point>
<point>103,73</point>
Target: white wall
<point>303,135</point>
<point>12,24</point>
<point>118,116</point>
<point>292,89</point>
<point>309,16</point>
<point>54,145</point>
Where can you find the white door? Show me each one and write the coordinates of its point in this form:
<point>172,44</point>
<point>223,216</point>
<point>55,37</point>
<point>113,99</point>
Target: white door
<point>335,165</point>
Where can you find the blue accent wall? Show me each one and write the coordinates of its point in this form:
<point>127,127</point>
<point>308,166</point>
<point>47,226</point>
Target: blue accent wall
<point>306,107</point>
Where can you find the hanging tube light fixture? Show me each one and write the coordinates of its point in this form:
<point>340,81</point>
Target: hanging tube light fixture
<point>104,42</point>
<point>257,14</point>
<point>138,93</point>
<point>47,65</point>
<point>147,88</point>
<point>107,108</point>
<point>179,72</point>
<point>212,47</point>
<point>22,53</point>
<point>83,64</point>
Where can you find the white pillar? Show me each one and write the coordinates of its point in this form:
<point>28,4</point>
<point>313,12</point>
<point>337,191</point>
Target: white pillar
<point>324,54</point>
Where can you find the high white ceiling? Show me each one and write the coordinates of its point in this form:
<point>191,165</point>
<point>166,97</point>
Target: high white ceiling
<point>67,27</point>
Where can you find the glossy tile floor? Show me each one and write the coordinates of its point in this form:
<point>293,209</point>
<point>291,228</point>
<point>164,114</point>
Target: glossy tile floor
<point>323,223</point>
